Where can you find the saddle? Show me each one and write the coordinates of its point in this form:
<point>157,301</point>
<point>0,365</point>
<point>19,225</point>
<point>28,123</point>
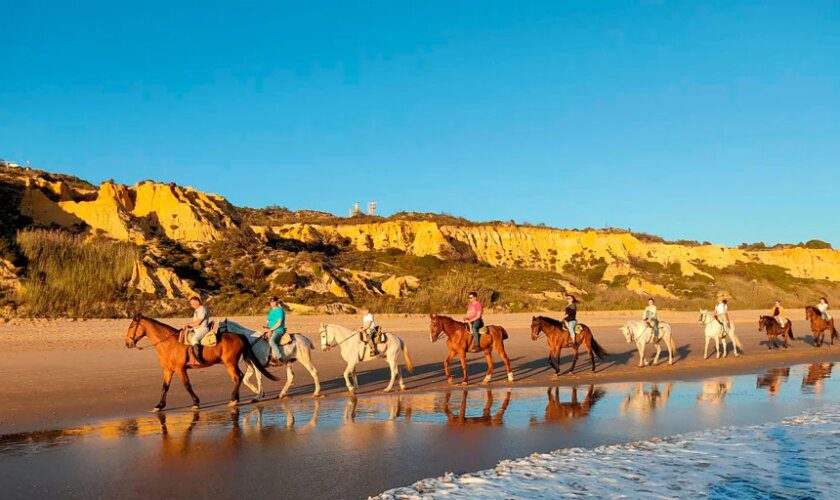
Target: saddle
<point>379,337</point>
<point>284,340</point>
<point>208,340</point>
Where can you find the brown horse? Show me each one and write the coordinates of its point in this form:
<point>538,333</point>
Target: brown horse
<point>558,338</point>
<point>460,339</point>
<point>174,356</point>
<point>773,329</point>
<point>819,325</point>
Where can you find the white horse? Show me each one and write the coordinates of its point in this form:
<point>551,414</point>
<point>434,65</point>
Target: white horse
<point>297,350</point>
<point>354,351</point>
<point>714,331</point>
<point>641,333</point>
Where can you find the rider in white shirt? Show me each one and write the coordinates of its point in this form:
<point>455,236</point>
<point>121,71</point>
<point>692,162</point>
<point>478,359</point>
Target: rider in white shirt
<point>198,327</point>
<point>823,308</point>
<point>369,328</point>
<point>651,318</point>
<point>722,314</point>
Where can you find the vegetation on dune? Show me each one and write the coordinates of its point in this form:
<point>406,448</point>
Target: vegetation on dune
<point>67,275</point>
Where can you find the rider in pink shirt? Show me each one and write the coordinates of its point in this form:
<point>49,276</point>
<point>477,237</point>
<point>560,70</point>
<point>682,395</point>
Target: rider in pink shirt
<point>475,318</point>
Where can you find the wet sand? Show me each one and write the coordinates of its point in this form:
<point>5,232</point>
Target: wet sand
<point>342,447</point>
<point>63,373</point>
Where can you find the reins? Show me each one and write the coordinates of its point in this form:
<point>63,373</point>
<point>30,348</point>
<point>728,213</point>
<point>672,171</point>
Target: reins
<point>134,334</point>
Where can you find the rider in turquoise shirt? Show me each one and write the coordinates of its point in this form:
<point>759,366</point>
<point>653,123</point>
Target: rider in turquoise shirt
<point>276,326</point>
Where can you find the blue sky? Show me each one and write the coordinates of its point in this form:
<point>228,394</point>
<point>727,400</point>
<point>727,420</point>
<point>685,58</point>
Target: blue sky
<point>712,121</point>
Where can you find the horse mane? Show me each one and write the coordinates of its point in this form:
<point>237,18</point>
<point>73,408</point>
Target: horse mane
<point>159,323</point>
<point>450,319</point>
<point>812,308</point>
<point>551,321</point>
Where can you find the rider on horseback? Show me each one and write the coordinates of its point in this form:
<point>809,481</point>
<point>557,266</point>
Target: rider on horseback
<point>778,312</point>
<point>571,317</point>
<point>475,319</point>
<point>823,308</point>
<point>722,314</point>
<point>651,318</point>
<point>369,328</point>
<point>275,328</point>
<point>199,326</point>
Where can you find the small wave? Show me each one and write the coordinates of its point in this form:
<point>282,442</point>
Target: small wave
<point>795,458</point>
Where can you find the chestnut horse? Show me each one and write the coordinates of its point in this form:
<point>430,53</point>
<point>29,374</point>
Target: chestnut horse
<point>819,325</point>
<point>174,356</point>
<point>460,339</point>
<point>558,337</point>
<point>773,329</point>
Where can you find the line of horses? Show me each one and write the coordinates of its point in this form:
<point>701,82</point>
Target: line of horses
<point>237,343</point>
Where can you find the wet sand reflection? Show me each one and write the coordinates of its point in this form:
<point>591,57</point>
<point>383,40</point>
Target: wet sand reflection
<point>812,381</point>
<point>772,380</point>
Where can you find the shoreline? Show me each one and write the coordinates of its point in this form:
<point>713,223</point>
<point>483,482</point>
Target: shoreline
<point>69,372</point>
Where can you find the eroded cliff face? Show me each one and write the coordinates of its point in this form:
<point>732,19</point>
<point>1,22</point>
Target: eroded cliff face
<point>152,214</point>
<point>130,213</point>
<point>554,249</point>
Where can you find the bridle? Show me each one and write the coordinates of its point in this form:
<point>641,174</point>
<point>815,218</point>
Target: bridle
<point>540,331</point>
<point>134,340</point>
<point>323,332</point>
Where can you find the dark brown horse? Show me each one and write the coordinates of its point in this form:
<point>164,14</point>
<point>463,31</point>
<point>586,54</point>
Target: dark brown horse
<point>819,325</point>
<point>769,325</point>
<point>459,340</point>
<point>174,357</point>
<point>558,337</point>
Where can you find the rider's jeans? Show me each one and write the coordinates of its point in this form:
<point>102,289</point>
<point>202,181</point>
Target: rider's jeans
<point>198,334</point>
<point>571,325</point>
<point>273,342</point>
<point>476,325</point>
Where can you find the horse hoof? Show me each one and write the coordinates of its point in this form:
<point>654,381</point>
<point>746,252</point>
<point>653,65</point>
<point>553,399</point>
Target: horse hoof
<point>463,384</point>
<point>196,407</point>
<point>157,409</point>
<point>255,400</point>
<point>386,390</point>
<point>510,377</point>
<point>449,381</point>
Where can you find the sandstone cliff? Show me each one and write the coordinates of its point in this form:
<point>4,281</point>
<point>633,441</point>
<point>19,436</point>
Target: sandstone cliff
<point>194,242</point>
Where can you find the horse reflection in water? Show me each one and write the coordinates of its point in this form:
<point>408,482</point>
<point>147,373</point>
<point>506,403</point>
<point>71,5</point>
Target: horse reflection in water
<point>772,380</point>
<point>642,400</point>
<point>487,417</point>
<point>396,406</point>
<point>714,391</point>
<point>812,381</point>
<point>559,412</point>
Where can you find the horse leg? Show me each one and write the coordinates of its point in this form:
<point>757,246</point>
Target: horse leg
<point>656,357</point>
<point>463,356</point>
<point>355,379</point>
<point>236,376</point>
<point>167,379</point>
<point>246,379</point>
<point>505,360</point>
<point>350,367</point>
<point>307,363</point>
<point>182,374</point>
<point>574,359</point>
<point>641,348</point>
<point>446,366</point>
<point>392,363</point>
<point>488,358</point>
<point>290,377</point>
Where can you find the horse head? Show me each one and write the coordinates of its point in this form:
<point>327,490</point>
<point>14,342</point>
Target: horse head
<point>323,332</point>
<point>704,316</point>
<point>536,327</point>
<point>136,331</point>
<point>627,332</point>
<point>436,328</point>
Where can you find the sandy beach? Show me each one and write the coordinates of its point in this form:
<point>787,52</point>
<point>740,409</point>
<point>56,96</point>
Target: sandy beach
<point>62,372</point>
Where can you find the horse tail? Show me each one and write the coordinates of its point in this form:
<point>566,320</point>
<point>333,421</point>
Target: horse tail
<point>252,358</point>
<point>306,341</point>
<point>504,333</point>
<point>409,366</point>
<point>790,331</point>
<point>596,347</point>
<point>671,339</point>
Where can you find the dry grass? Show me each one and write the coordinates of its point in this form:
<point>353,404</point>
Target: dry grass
<point>68,276</point>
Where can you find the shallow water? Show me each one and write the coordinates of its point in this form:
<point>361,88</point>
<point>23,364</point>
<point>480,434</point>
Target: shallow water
<point>350,448</point>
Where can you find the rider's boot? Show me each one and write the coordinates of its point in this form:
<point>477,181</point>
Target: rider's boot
<point>196,352</point>
<point>373,349</point>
